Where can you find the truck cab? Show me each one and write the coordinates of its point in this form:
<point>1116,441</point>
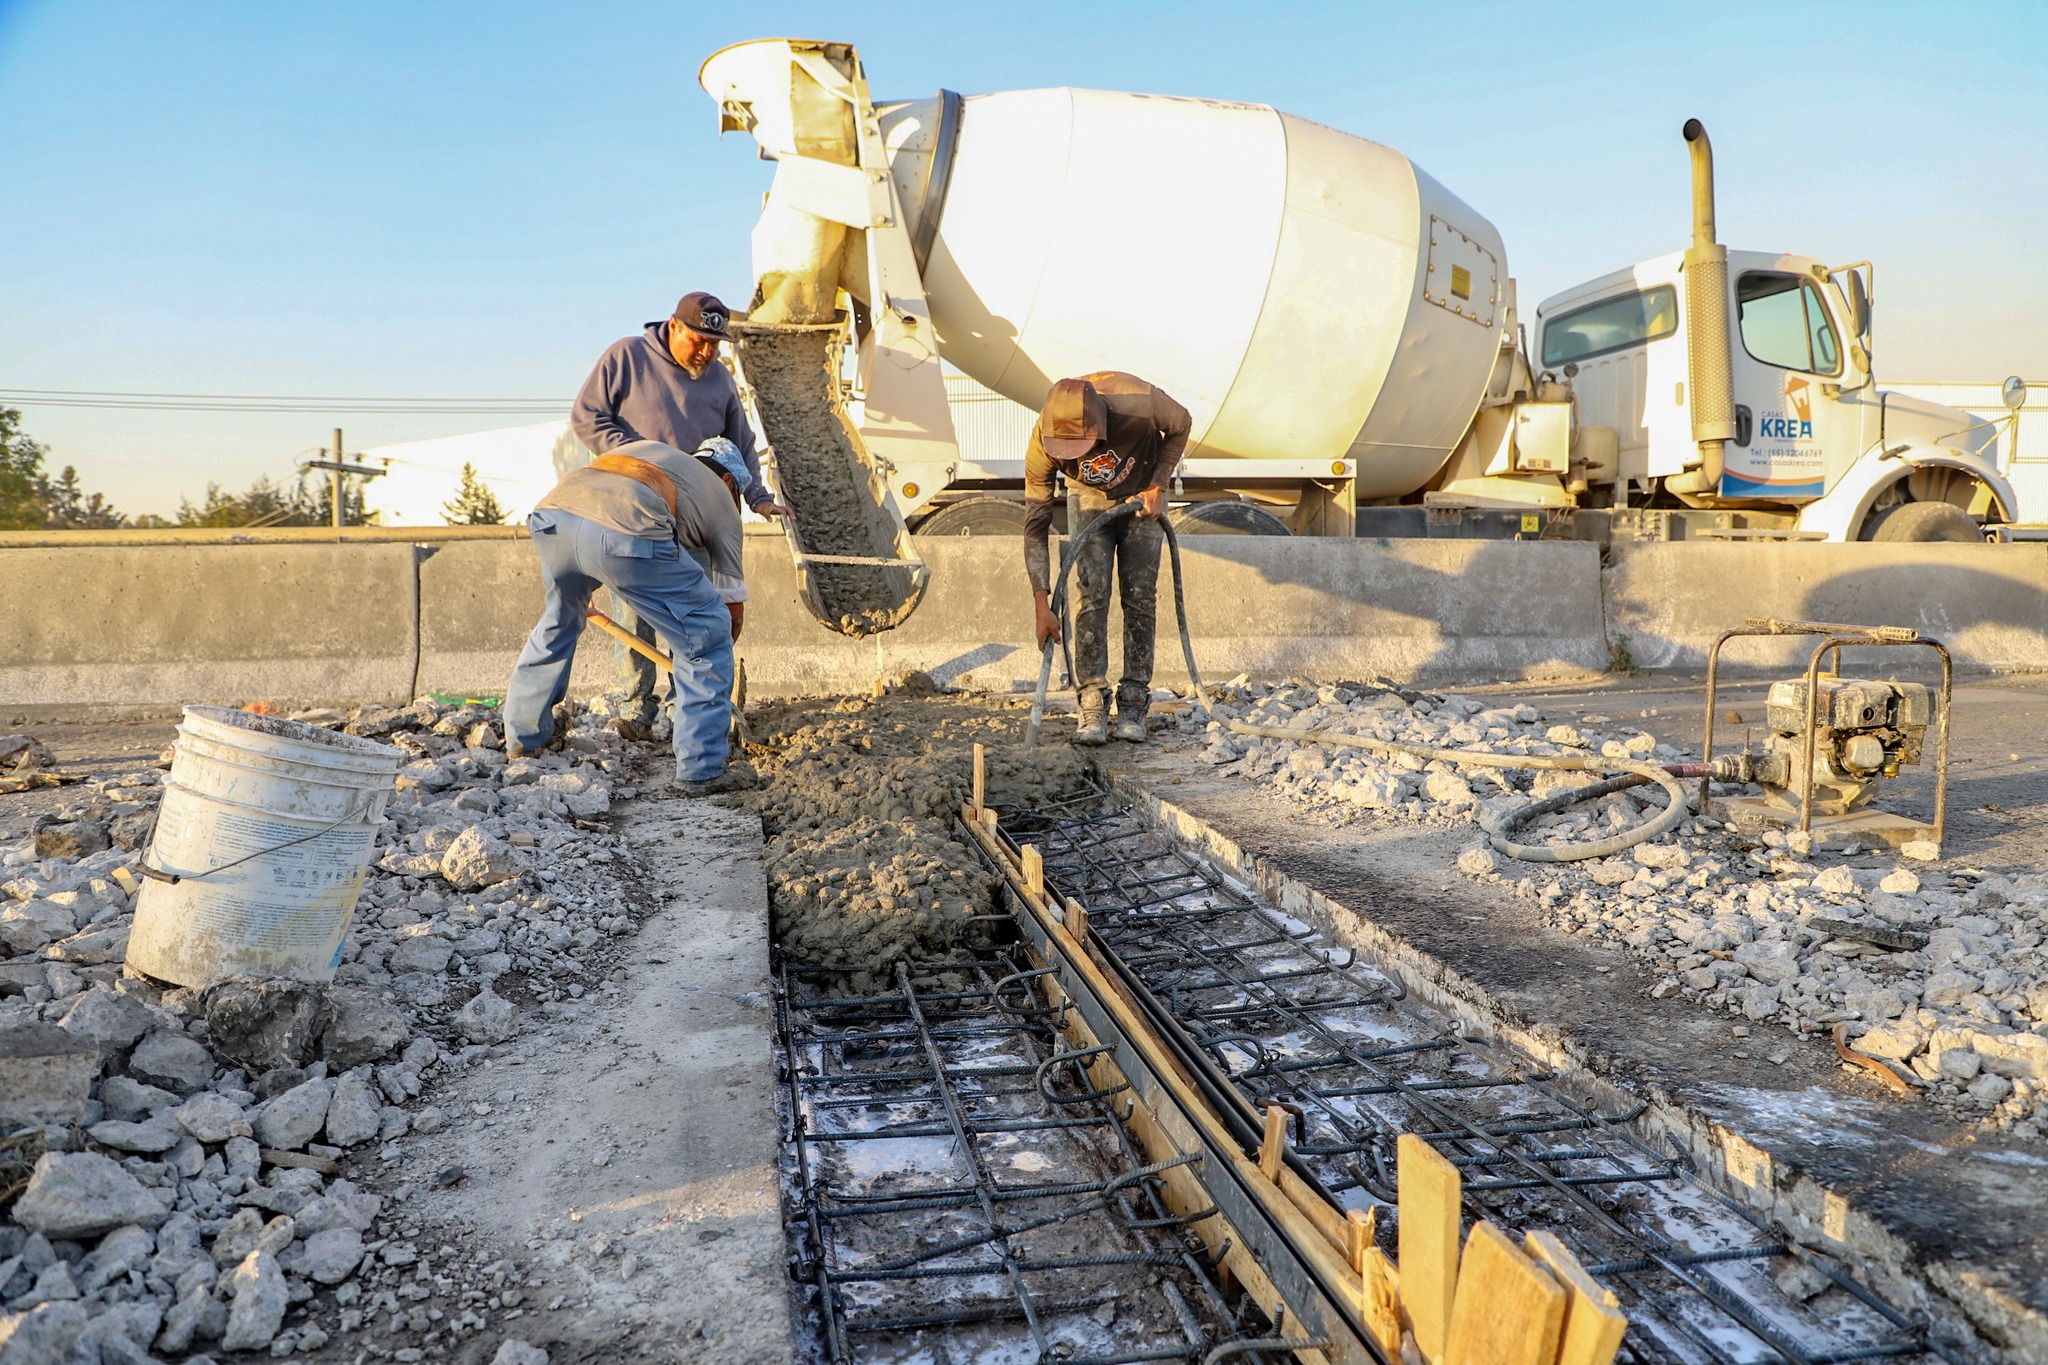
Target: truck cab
<point>1818,451</point>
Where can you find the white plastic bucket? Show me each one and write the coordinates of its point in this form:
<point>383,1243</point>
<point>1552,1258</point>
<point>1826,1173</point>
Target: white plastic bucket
<point>295,809</point>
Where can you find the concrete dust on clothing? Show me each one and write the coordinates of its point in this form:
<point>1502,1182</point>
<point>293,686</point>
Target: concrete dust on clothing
<point>641,1174</point>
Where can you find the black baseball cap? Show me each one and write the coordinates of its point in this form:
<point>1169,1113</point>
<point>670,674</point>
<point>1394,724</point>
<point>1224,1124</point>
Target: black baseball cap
<point>703,314</point>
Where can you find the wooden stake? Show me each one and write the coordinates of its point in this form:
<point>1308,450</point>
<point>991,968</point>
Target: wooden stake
<point>1360,1225</point>
<point>1510,1310</point>
<point>1077,918</point>
<point>1274,1147</point>
<point>980,777</point>
<point>1034,872</point>
<point>1382,1312</point>
<point>1428,1236</point>
<point>1593,1320</point>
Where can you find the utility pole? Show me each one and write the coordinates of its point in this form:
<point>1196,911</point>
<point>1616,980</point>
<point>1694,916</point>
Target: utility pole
<point>338,467</point>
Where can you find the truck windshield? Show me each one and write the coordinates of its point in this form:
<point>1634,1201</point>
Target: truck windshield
<point>1784,322</point>
<point>1611,325</point>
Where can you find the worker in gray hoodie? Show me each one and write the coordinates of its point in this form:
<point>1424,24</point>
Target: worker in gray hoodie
<point>666,385</point>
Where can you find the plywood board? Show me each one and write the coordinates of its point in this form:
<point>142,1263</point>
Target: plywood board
<point>1593,1320</point>
<point>1430,1188</point>
<point>1510,1310</point>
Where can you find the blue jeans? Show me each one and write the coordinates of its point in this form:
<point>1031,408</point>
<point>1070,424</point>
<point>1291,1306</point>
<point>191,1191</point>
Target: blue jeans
<point>666,588</point>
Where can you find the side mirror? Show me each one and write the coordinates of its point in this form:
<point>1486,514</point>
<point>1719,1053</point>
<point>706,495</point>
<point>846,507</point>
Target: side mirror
<point>2014,393</point>
<point>1859,305</point>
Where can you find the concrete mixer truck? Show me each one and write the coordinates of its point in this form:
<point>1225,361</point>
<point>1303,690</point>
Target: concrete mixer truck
<point>1342,327</point>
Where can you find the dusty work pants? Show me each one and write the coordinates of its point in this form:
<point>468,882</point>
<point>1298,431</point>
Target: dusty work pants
<point>1132,547</point>
<point>641,690</point>
<point>665,587</point>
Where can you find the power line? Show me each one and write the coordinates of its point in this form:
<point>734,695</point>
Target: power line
<point>119,399</point>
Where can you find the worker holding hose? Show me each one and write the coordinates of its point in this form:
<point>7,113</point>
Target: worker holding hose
<point>1116,439</point>
<point>661,529</point>
<point>666,385</point>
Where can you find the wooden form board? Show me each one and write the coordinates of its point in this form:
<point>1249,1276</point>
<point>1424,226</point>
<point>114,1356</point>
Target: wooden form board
<point>1510,1310</point>
<point>1430,1188</point>
<point>1593,1320</point>
<point>1319,1242</point>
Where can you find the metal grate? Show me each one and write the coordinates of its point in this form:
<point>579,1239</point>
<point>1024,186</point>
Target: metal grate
<point>1280,1018</point>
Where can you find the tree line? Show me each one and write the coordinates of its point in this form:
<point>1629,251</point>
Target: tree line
<point>34,499</point>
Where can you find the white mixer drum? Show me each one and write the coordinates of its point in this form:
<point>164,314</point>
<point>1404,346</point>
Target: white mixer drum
<point>1304,292</point>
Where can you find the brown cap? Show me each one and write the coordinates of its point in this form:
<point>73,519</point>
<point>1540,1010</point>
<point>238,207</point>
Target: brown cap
<point>704,315</point>
<point>1073,420</point>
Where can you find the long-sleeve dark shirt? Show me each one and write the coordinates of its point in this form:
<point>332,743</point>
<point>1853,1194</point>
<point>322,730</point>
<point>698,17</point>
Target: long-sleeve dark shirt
<point>1141,447</point>
<point>637,392</point>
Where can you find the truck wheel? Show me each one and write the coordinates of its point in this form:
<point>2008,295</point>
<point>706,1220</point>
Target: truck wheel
<point>1923,521</point>
<point>978,516</point>
<point>1226,519</point>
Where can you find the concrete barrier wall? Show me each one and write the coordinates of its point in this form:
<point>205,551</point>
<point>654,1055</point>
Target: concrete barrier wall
<point>146,628</point>
<point>1412,610</point>
<point>1987,603</point>
<point>150,627</point>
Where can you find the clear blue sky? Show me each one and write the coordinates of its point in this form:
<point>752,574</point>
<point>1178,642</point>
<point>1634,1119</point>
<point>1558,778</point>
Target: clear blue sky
<point>473,199</point>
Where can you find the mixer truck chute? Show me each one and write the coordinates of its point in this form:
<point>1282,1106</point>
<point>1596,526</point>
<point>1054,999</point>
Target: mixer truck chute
<point>1342,328</point>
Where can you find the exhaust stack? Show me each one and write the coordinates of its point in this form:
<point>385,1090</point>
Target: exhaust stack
<point>1711,386</point>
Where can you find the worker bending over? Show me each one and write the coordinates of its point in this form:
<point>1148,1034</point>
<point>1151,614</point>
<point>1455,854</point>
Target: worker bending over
<point>637,521</point>
<point>1117,439</point>
<point>666,385</point>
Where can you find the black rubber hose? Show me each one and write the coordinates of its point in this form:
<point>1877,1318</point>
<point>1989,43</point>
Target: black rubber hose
<point>1058,603</point>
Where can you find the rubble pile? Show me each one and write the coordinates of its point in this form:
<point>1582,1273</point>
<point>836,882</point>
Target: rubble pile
<point>1940,971</point>
<point>864,869</point>
<point>201,1166</point>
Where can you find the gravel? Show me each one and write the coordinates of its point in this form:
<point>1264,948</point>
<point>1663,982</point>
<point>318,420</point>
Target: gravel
<point>1721,919</point>
<point>216,1175</point>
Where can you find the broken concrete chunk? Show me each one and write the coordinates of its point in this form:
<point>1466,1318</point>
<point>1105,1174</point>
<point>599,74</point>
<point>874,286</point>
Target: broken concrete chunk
<point>211,1117</point>
<point>112,1019</point>
<point>353,1112</point>
<point>2016,1056</point>
<point>264,1023</point>
<point>172,1060</point>
<point>1771,961</point>
<point>92,947</point>
<point>260,1298</point>
<point>419,953</point>
<point>476,860</point>
<point>69,838</point>
<point>1895,1040</point>
<point>25,926</point>
<point>328,1257</point>
<point>81,1194</point>
<point>513,1351</point>
<point>149,1139</point>
<point>45,1074</point>
<point>488,1018</point>
<point>294,1118</point>
<point>361,1029</point>
<point>47,1332</point>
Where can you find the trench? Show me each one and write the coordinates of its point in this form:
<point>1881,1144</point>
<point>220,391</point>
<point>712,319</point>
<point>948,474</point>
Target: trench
<point>953,1191</point>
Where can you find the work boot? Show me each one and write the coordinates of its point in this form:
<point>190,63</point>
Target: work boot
<point>737,777</point>
<point>625,727</point>
<point>1094,723</point>
<point>1129,726</point>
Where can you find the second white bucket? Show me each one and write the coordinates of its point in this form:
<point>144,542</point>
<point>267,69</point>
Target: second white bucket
<point>267,825</point>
